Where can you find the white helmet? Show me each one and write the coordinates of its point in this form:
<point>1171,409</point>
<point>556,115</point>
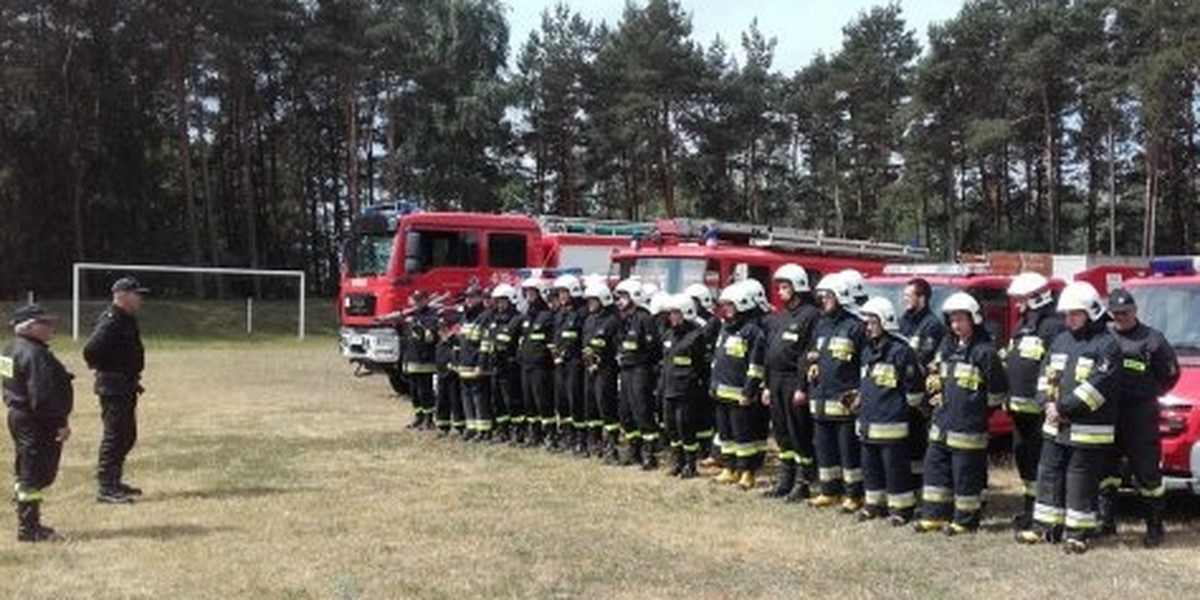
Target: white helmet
<point>633,288</point>
<point>963,302</point>
<point>835,284</point>
<point>600,292</point>
<point>882,309</point>
<point>506,292</point>
<point>793,274</point>
<point>1032,286</point>
<point>739,295</point>
<point>1080,295</point>
<point>682,303</point>
<point>854,281</point>
<point>700,293</point>
<point>649,288</point>
<point>658,302</point>
<point>536,283</point>
<point>569,283</point>
<point>754,287</point>
<point>594,278</point>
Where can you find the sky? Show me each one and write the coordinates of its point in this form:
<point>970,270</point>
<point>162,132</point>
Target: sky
<point>802,27</point>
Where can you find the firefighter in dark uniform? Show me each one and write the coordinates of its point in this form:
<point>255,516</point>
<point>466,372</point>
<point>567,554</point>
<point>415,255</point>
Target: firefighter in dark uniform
<point>39,396</point>
<point>637,354</point>
<point>704,413</point>
<point>537,364</point>
<point>924,332</point>
<point>1149,369</point>
<point>473,382</point>
<point>114,351</point>
<point>968,384</point>
<point>449,393</point>
<point>736,384</point>
<point>833,377</point>
<point>789,336</point>
<point>572,407</point>
<point>420,345</point>
<point>1038,327</point>
<point>506,377</point>
<point>684,364</point>
<point>1079,389</point>
<point>601,332</point>
<point>893,385</point>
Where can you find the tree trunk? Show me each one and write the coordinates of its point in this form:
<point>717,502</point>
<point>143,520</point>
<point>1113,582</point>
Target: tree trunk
<point>1112,191</point>
<point>1051,170</point>
<point>668,161</point>
<point>1149,197</point>
<point>350,116</point>
<point>179,76</point>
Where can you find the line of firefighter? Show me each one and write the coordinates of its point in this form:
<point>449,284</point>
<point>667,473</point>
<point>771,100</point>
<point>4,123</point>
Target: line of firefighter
<point>874,411</point>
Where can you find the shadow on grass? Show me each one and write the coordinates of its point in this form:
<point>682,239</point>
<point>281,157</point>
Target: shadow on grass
<point>227,492</point>
<point>149,532</point>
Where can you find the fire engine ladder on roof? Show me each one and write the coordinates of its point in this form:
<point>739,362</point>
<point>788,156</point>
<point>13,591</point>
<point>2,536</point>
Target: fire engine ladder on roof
<point>590,226</point>
<point>789,239</point>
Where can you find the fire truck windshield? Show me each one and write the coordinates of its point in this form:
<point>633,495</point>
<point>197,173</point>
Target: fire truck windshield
<point>672,275</point>
<point>1171,310</point>
<point>369,254</point>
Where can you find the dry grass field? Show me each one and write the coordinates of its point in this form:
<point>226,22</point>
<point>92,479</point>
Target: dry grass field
<point>271,473</point>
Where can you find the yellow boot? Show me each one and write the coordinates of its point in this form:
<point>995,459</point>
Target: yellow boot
<point>747,480</point>
<point>823,501</point>
<point>927,525</point>
<point>727,476</point>
<point>851,505</point>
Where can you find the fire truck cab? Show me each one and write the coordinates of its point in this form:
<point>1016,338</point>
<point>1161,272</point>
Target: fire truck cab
<point>1166,300</point>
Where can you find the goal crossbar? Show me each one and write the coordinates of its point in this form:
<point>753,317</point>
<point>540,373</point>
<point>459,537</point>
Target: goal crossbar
<point>78,268</point>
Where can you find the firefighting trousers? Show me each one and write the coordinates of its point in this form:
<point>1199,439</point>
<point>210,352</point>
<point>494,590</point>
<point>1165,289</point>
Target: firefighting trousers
<point>751,425</point>
<point>507,404</point>
<point>887,476</point>
<point>477,403</point>
<point>705,414</point>
<point>449,403</point>
<point>636,407</point>
<point>839,458</point>
<point>793,427</point>
<point>36,453</point>
<point>601,387</point>
<point>726,444</point>
<point>421,393</point>
<point>1027,448</point>
<point>1138,442</point>
<point>679,415</point>
<point>537,390</point>
<point>954,483</point>
<point>1068,483</point>
<point>918,441</point>
<point>119,415</point>
<point>573,407</point>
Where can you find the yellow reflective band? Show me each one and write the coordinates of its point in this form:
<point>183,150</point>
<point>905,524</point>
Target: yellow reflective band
<point>1049,428</point>
<point>1090,396</point>
<point>936,494</point>
<point>751,449</point>
<point>503,337</point>
<point>735,347</point>
<point>996,399</point>
<point>884,375</point>
<point>729,392</point>
<point>8,368</point>
<point>853,475</point>
<point>537,337</point>
<point>1032,348</point>
<point>611,427</point>
<point>681,361</point>
<point>706,434</point>
<point>570,334</point>
<point>887,431</point>
<point>1030,488</point>
<point>756,372</point>
<point>968,503</point>
<point>1157,492</point>
<point>1134,364</point>
<point>875,497</point>
<point>420,368</point>
<point>1092,434</point>
<point>630,345</point>
<point>29,495</point>
<point>831,408</point>
<point>829,473</point>
<point>901,501</point>
<point>787,455</point>
<point>1050,515</point>
<point>1024,405</point>
<point>967,376</point>
<point>966,441</point>
<point>598,343</point>
<point>1076,519</point>
<point>790,336</point>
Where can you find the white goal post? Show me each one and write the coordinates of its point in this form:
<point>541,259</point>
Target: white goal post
<point>79,268</point>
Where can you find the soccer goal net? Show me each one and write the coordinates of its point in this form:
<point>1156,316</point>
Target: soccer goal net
<point>188,301</point>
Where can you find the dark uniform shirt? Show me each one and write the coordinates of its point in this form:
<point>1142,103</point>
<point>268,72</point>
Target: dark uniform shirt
<point>568,332</point>
<point>640,345</point>
<point>892,383</point>
<point>35,381</point>
<point>601,331</point>
<point>839,343</point>
<point>471,360</point>
<point>1026,351</point>
<point>503,330</point>
<point>789,336</point>
<point>115,352</point>
<point>420,341</point>
<point>1082,373</point>
<point>685,354</point>
<point>737,364</point>
<point>536,336</point>
<point>973,385</point>
<point>1148,364</point>
<point>924,332</point>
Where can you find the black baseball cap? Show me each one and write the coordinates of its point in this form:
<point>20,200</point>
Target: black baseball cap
<point>30,312</point>
<point>1119,300</point>
<point>129,284</point>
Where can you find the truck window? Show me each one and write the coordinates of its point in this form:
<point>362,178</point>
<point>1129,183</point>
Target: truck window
<point>672,275</point>
<point>368,254</point>
<point>426,250</point>
<point>993,303</point>
<point>507,250</point>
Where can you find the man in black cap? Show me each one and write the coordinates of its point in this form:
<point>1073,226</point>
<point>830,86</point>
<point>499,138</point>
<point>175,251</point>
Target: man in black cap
<point>1149,370</point>
<point>39,396</point>
<point>115,353</point>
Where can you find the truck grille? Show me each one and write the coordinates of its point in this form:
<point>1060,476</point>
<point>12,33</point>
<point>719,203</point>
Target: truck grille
<point>360,305</point>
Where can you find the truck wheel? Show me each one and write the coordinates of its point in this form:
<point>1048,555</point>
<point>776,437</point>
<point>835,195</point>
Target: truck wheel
<point>399,381</point>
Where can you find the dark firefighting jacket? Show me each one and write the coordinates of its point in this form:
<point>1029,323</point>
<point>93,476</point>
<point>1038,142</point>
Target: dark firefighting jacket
<point>36,382</point>
<point>839,342</point>
<point>924,332</point>
<point>1149,367</point>
<point>973,384</point>
<point>789,336</point>
<point>1026,351</point>
<point>737,365</point>
<point>568,332</point>
<point>116,353</point>
<point>472,360</point>
<point>503,331</point>
<point>684,363</point>
<point>1082,375</point>
<point>420,342</point>
<point>536,337</point>
<point>639,342</point>
<point>893,383</point>
<point>601,332</point>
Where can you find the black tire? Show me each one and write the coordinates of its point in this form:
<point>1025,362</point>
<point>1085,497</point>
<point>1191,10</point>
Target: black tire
<point>398,381</point>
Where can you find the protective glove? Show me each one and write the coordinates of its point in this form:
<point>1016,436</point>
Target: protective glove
<point>814,373</point>
<point>933,383</point>
<point>851,401</point>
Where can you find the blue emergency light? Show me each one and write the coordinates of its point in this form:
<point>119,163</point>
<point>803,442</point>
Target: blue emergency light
<point>1175,265</point>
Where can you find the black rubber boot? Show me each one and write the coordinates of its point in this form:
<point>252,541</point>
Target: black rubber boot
<point>677,461</point>
<point>30,528</point>
<point>787,481</point>
<point>650,456</point>
<point>1155,532</point>
<point>634,455</point>
<point>611,455</point>
<point>689,466</point>
<point>1023,520</point>
<point>1106,512</point>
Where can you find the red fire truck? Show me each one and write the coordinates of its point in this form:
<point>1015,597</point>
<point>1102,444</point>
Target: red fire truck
<point>393,252</point>
<point>1167,300</point>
